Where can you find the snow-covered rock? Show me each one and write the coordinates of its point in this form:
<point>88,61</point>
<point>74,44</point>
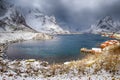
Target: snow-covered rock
<point>105,25</point>
<point>18,36</point>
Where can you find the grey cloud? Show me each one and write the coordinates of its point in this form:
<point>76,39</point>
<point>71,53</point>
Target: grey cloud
<point>75,13</point>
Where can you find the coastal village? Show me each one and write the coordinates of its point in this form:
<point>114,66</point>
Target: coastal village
<point>99,64</point>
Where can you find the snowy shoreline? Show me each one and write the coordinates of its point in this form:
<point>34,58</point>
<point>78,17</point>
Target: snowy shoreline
<point>14,37</point>
<point>92,67</point>
<point>18,36</point>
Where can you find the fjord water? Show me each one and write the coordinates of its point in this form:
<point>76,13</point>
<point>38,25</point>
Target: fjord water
<point>60,49</point>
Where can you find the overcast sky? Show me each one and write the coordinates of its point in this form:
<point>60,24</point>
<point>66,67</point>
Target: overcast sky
<point>75,13</point>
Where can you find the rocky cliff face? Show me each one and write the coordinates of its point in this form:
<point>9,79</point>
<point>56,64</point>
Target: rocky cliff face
<point>105,25</point>
<point>13,21</point>
<point>3,7</point>
<point>16,19</point>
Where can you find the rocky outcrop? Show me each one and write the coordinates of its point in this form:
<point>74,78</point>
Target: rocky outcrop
<point>2,48</point>
<point>41,36</point>
<point>21,36</point>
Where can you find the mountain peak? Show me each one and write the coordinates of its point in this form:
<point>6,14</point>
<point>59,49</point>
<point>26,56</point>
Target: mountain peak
<point>105,25</point>
<point>108,19</point>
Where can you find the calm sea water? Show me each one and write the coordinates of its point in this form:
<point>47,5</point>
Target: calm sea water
<point>60,49</point>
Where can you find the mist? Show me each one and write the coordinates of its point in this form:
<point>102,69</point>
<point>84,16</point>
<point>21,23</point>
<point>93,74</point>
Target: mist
<point>74,14</point>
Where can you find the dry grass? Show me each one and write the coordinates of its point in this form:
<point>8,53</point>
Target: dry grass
<point>108,60</point>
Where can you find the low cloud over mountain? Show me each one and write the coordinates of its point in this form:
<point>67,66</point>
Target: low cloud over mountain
<point>73,14</point>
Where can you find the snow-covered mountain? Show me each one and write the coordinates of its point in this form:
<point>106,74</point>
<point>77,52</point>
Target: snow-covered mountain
<point>105,25</point>
<point>32,19</point>
<point>43,23</point>
<point>10,18</point>
<point>13,21</point>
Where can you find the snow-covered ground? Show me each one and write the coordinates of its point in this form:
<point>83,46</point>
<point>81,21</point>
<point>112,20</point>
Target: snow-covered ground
<point>32,70</point>
<point>17,36</point>
<point>103,76</point>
